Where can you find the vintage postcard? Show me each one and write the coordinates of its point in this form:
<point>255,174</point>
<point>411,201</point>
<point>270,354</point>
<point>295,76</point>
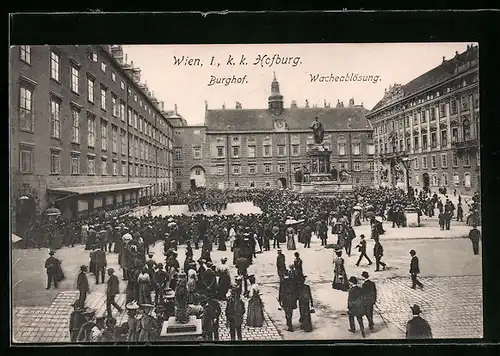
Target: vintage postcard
<point>216,193</point>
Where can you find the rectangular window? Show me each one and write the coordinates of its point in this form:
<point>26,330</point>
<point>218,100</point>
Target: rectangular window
<point>444,179</point>
<point>178,172</point>
<point>122,85</point>
<point>75,129</point>
<point>104,167</point>
<point>341,148</point>
<point>55,118</point>
<point>433,113</point>
<point>281,150</point>
<point>113,76</point>
<point>423,118</point>
<point>424,162</point>
<point>124,169</point>
<point>90,90</point>
<point>129,114</point>
<point>220,151</point>
<point>103,67</point>
<point>103,98</point>
<point>114,104</point>
<point>433,161</point>
<point>453,106</point>
<point>442,109</point>
<point>251,169</point>
<point>136,120</point>
<point>433,139</point>
<point>466,158</point>
<point>54,66</point>
<point>91,131</point>
<point>371,166</point>
<point>417,163</point>
<point>444,160</point>
<point>137,172</point>
<point>114,139</point>
<point>251,151</point>
<point>75,164</point>
<point>424,142</point>
<point>456,179</point>
<point>122,111</point>
<point>74,79</point>
<point>444,138</point>
<point>26,54</point>
<point>267,168</point>
<point>465,102</point>
<point>115,168</point>
<point>197,152</point>
<point>236,169</point>
<point>178,154</point>
<point>26,160</point>
<point>267,150</point>
<point>104,136</point>
<point>236,151</point>
<point>220,170</point>
<point>357,166</point>
<point>123,139</point>
<point>408,144</point>
<point>55,162</point>
<point>26,109</point>
<point>454,135</point>
<point>454,160</point>
<point>476,100</point>
<point>281,168</point>
<point>295,150</point>
<point>91,166</point>
<point>370,148</point>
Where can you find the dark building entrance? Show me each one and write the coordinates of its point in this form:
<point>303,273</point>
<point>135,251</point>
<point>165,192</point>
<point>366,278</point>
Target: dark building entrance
<point>282,183</point>
<point>193,184</point>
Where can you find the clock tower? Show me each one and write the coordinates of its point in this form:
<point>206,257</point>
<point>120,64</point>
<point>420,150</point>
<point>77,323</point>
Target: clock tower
<point>275,100</point>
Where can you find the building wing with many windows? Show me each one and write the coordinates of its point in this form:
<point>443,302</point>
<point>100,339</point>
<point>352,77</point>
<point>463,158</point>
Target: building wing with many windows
<point>261,148</point>
<point>434,121</point>
<point>74,117</point>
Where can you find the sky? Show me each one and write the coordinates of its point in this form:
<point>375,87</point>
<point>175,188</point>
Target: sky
<point>298,64</point>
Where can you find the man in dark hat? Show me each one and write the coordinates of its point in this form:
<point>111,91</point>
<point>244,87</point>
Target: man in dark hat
<point>475,236</point>
<point>280,264</point>
<point>287,298</point>
<point>414,270</point>
<point>362,251</point>
<point>52,264</point>
<point>235,309</point>
<point>355,306</point>
<point>370,295</point>
<point>76,320</point>
<point>101,263</point>
<point>210,319</point>
<point>242,268</point>
<point>82,284</point>
<point>418,327</point>
<point>160,282</point>
<point>378,252</point>
<point>113,288</point>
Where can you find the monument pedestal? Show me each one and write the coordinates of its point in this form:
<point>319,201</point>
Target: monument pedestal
<point>173,331</point>
<point>411,217</point>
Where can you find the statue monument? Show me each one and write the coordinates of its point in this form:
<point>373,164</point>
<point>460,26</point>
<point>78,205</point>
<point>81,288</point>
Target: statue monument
<point>182,326</point>
<point>318,131</point>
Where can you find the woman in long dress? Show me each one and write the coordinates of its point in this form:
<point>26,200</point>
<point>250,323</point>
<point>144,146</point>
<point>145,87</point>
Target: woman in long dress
<point>255,315</point>
<point>191,286</point>
<point>144,282</point>
<point>340,281</point>
<point>305,305</point>
<point>257,247</point>
<point>290,243</point>
<point>224,282</point>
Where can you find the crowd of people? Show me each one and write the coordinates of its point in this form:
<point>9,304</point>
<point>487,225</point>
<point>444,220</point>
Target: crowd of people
<point>154,289</point>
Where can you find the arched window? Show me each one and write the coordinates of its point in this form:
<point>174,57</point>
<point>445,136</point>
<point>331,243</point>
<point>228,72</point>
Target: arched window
<point>444,179</point>
<point>434,180</point>
<point>466,129</point>
<point>467,182</point>
<point>456,179</point>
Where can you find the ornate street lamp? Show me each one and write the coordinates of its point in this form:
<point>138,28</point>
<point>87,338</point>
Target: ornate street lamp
<point>407,164</point>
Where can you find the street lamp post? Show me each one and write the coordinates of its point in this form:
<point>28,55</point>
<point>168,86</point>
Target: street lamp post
<point>406,163</point>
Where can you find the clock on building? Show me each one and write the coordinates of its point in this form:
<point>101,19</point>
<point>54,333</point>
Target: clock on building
<point>280,124</point>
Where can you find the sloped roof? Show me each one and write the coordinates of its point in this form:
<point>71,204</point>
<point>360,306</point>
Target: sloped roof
<point>296,119</point>
<point>442,72</point>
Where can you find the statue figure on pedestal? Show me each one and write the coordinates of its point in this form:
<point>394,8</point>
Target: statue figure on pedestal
<point>299,177</point>
<point>181,299</point>
<point>318,131</point>
<point>334,173</point>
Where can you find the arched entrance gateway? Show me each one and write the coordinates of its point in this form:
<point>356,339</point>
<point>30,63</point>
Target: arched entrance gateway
<point>197,177</point>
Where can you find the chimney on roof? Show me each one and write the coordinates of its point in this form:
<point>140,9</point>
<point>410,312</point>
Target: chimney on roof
<point>206,105</point>
<point>238,105</point>
<point>126,58</point>
<point>307,104</point>
<point>456,53</point>
<point>444,59</point>
<point>162,105</point>
<point>293,105</point>
<point>175,109</point>
<point>324,103</point>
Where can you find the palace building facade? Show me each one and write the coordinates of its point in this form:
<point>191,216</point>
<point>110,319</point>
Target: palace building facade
<point>261,148</point>
<point>85,132</point>
<point>434,122</point>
